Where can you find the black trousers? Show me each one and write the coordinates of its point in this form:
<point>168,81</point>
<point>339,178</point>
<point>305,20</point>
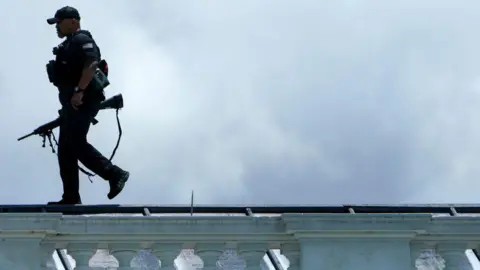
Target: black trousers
<point>73,147</point>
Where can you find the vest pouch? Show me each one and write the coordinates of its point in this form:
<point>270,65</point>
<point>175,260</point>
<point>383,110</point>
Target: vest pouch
<point>100,80</point>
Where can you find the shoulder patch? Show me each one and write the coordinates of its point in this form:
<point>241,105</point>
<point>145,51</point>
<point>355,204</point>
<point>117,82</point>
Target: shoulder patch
<point>87,46</point>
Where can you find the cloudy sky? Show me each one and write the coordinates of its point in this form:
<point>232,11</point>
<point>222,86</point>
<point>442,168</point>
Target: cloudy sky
<point>259,102</point>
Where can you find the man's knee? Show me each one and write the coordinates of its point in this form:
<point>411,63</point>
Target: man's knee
<point>73,133</point>
<point>70,147</point>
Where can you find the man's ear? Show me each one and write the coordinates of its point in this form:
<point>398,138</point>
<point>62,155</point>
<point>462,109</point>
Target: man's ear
<point>75,22</point>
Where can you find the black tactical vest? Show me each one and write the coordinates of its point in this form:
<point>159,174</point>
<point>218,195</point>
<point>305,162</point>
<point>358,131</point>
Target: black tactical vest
<point>69,62</point>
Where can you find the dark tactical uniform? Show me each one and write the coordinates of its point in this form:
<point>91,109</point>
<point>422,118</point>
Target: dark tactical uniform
<point>71,57</point>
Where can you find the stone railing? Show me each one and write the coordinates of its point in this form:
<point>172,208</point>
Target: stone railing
<point>323,240</point>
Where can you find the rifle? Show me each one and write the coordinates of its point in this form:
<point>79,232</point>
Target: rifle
<point>45,130</point>
<point>115,102</point>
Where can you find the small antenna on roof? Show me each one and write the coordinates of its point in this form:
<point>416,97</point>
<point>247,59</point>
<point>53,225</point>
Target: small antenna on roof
<point>191,205</point>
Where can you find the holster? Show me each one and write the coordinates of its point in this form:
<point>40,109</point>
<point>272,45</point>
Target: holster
<point>52,76</point>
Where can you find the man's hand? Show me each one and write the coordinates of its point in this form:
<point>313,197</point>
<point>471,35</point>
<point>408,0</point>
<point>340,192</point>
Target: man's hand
<point>77,99</point>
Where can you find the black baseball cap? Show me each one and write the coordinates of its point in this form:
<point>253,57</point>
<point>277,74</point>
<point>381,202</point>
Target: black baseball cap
<point>66,12</point>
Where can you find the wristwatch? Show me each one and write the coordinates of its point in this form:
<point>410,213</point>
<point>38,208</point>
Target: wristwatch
<point>77,89</point>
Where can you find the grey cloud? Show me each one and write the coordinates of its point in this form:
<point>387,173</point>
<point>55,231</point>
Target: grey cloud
<point>263,102</point>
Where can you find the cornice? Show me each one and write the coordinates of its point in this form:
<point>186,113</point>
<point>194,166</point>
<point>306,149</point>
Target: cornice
<point>276,229</point>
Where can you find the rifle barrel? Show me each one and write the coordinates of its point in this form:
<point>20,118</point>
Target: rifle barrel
<point>48,127</point>
<point>26,136</point>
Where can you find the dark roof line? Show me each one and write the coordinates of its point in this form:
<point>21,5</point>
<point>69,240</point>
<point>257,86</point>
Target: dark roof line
<point>451,209</point>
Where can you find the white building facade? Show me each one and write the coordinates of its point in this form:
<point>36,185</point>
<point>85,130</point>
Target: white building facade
<point>303,241</point>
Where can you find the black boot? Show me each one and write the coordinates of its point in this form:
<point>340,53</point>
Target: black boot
<point>66,202</point>
<point>117,182</point>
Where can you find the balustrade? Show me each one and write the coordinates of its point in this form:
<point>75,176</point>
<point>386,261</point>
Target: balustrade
<point>307,241</point>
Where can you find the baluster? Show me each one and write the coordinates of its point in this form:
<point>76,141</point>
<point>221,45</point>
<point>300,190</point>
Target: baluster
<point>81,253</point>
<point>252,254</point>
<point>46,255</point>
<point>210,254</point>
<point>124,253</point>
<point>416,249</point>
<point>454,256</point>
<point>292,253</point>
<point>166,253</point>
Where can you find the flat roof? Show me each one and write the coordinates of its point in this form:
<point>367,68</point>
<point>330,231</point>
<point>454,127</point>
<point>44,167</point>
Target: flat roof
<point>449,209</point>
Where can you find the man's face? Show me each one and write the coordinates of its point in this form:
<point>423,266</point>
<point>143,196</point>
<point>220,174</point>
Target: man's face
<point>64,27</point>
